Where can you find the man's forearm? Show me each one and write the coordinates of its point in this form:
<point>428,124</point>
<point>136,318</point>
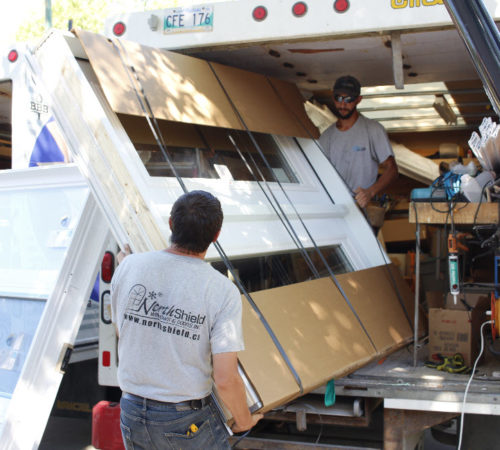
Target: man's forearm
<point>363,196</point>
<point>386,179</point>
<point>232,393</point>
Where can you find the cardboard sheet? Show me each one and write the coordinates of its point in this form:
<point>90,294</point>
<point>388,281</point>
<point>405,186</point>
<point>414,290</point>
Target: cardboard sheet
<point>319,332</point>
<point>258,103</point>
<point>381,313</point>
<point>179,88</point>
<point>263,363</point>
<point>290,96</point>
<point>184,89</point>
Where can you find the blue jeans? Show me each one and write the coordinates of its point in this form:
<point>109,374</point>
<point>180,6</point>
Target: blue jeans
<point>150,424</point>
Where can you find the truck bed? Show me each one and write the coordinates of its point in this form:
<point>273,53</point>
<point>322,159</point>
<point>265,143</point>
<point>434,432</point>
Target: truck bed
<point>404,386</point>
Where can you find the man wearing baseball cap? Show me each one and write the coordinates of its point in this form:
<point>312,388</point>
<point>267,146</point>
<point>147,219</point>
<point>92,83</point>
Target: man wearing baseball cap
<point>357,146</point>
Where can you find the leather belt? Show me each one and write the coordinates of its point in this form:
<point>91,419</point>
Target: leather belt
<point>193,404</point>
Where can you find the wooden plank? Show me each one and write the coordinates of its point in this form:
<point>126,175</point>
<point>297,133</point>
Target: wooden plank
<point>463,213</point>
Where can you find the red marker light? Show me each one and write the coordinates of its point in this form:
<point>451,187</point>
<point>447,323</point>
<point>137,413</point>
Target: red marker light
<point>118,28</point>
<point>299,9</point>
<point>107,267</point>
<point>12,57</point>
<point>259,13</point>
<point>341,6</point>
<point>106,359</point>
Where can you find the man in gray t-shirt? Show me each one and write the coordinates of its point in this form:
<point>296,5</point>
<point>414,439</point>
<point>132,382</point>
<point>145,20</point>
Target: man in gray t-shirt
<point>357,146</point>
<point>179,325</point>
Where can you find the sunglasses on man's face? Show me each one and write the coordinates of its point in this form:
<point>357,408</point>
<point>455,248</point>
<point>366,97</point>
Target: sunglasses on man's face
<point>344,98</point>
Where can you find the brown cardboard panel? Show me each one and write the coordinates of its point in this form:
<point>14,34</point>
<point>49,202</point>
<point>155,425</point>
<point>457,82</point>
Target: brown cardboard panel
<point>320,334</point>
<point>317,329</point>
<point>178,87</point>
<point>263,363</point>
<point>374,298</point>
<point>257,102</point>
<point>291,97</point>
<point>184,89</point>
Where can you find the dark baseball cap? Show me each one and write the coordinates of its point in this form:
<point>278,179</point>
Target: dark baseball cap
<point>347,85</point>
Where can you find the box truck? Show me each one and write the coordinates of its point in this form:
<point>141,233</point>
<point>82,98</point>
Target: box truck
<point>127,127</point>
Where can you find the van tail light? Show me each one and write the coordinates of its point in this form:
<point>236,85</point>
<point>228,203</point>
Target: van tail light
<point>259,13</point>
<point>106,359</point>
<point>119,28</point>
<point>299,9</point>
<point>107,267</point>
<point>12,56</point>
<point>341,6</point>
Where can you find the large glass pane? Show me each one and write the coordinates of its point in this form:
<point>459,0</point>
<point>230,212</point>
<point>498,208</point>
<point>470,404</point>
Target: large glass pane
<point>266,272</point>
<point>36,227</point>
<point>18,322</point>
<point>208,152</point>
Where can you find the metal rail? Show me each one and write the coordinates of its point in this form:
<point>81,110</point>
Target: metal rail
<point>482,39</point>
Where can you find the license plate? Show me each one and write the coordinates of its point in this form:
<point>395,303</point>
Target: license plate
<point>182,20</point>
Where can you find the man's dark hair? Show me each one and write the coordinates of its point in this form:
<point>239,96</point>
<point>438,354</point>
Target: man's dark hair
<point>196,218</point>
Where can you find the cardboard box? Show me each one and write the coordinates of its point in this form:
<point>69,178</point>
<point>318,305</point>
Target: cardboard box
<point>435,299</point>
<point>455,331</point>
<point>400,230</point>
<point>479,301</point>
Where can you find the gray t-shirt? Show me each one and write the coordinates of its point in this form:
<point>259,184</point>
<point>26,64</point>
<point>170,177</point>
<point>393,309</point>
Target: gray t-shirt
<point>172,313</point>
<point>357,152</point>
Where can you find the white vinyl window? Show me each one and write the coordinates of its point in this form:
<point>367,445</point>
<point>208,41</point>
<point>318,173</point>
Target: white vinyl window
<point>36,227</point>
<point>51,240</point>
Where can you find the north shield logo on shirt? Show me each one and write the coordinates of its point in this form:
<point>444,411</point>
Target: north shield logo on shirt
<point>144,308</point>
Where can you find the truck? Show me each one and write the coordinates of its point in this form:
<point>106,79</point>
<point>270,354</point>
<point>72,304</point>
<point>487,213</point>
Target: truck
<point>112,185</point>
<point>409,55</point>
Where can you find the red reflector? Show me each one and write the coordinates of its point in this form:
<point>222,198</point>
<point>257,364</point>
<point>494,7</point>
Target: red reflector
<point>118,28</point>
<point>299,9</point>
<point>107,267</point>
<point>106,359</point>
<point>259,13</point>
<point>13,56</point>
<point>341,5</point>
